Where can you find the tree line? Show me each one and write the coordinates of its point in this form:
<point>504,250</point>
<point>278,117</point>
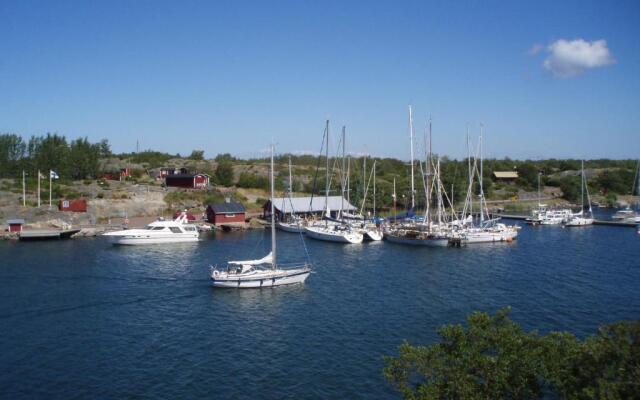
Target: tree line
<point>74,159</point>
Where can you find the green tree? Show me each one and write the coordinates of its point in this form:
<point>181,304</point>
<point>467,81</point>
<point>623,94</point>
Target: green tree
<point>494,358</point>
<point>197,155</point>
<point>224,173</point>
<point>12,151</point>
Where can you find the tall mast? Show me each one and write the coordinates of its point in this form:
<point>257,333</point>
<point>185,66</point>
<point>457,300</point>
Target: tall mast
<point>364,179</point>
<point>290,180</point>
<point>428,199</point>
<point>326,192</point>
<point>413,200</point>
<point>482,201</point>
<point>349,179</point>
<point>273,222</point>
<point>394,199</point>
<point>374,187</point>
<point>342,183</point>
<point>470,174</point>
<point>582,188</point>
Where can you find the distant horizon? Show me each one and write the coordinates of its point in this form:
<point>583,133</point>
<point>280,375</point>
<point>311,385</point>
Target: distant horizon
<point>547,79</point>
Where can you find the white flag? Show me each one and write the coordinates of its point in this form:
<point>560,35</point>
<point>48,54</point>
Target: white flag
<point>53,174</point>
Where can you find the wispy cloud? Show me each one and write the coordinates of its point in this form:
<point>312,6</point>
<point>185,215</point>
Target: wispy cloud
<point>567,59</point>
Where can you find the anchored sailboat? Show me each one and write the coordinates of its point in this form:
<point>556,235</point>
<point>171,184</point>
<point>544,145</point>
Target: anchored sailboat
<point>252,274</point>
<point>579,219</point>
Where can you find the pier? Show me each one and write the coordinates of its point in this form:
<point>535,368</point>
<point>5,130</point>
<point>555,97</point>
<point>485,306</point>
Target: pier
<point>622,224</point>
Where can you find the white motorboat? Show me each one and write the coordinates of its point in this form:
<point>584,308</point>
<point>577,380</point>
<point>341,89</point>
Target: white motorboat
<point>252,273</point>
<point>556,216</point>
<point>157,232</point>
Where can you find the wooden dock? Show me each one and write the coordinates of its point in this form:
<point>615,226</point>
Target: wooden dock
<point>595,222</point>
<point>47,234</point>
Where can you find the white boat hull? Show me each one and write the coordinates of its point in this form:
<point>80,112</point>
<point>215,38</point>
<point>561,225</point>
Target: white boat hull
<point>488,237</point>
<point>141,240</point>
<point>260,279</point>
<point>292,228</point>
<point>579,222</point>
<point>328,235</point>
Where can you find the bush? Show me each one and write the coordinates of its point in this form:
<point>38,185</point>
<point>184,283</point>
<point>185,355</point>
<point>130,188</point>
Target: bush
<point>494,358</point>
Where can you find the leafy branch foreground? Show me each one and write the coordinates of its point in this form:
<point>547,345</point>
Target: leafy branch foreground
<point>494,358</point>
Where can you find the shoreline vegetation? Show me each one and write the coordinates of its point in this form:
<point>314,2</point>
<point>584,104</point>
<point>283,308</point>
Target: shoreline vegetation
<point>83,168</point>
<point>492,357</point>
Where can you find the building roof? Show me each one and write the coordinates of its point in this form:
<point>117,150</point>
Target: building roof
<point>505,174</point>
<point>184,176</point>
<point>306,204</point>
<point>227,208</point>
<point>17,221</point>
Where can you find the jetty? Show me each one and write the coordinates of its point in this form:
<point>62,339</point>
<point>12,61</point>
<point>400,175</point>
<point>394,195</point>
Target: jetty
<point>622,224</point>
<point>47,234</point>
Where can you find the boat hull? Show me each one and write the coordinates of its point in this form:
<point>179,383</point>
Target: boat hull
<point>373,235</point>
<point>138,240</point>
<point>278,278</point>
<point>334,236</point>
<point>291,228</point>
<point>434,242</point>
<point>488,237</point>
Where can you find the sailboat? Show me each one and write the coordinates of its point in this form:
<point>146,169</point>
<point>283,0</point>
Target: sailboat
<point>253,273</point>
<point>328,229</point>
<point>295,224</point>
<point>579,219</point>
<point>490,230</point>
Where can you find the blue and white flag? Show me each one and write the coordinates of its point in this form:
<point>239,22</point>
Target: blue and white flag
<point>53,174</point>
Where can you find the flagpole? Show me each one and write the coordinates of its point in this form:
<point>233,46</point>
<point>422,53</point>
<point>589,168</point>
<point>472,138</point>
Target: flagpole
<point>24,191</point>
<point>38,188</point>
<point>50,189</point>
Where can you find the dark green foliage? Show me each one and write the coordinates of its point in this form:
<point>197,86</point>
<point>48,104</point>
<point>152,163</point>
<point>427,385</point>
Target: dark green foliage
<point>197,155</point>
<point>570,186</point>
<point>224,173</point>
<point>249,180</point>
<point>153,159</point>
<point>75,160</point>
<point>494,358</point>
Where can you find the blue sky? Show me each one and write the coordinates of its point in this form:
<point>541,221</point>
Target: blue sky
<point>230,76</point>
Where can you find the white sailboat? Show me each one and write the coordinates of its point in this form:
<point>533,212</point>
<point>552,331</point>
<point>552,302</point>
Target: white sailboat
<point>580,219</point>
<point>490,230</point>
<point>332,231</point>
<point>157,232</point>
<point>252,273</point>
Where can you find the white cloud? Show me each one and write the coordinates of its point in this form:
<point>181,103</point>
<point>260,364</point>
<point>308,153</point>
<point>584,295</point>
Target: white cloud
<point>570,58</point>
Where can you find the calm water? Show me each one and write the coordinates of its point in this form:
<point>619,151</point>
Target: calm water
<point>82,318</point>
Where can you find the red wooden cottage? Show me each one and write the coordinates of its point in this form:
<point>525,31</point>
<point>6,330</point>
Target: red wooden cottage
<point>229,213</point>
<point>79,205</point>
<point>187,181</point>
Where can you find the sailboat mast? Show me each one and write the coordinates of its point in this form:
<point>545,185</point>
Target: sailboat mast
<point>428,199</point>
<point>470,174</point>
<point>342,183</point>
<point>482,200</point>
<point>582,188</point>
<point>394,199</point>
<point>290,180</point>
<point>273,222</point>
<point>413,200</point>
<point>326,192</point>
<point>374,188</point>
